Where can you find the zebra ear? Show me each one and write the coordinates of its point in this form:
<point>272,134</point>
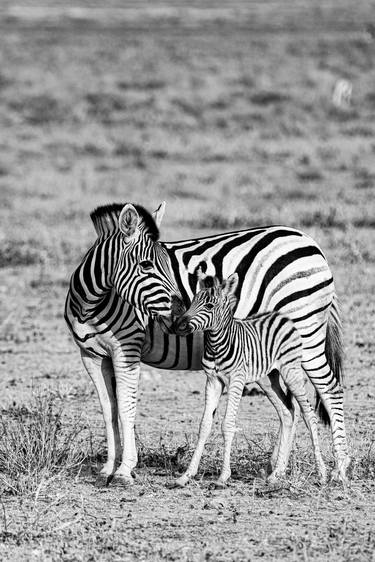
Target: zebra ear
<point>201,277</point>
<point>229,285</point>
<point>128,222</point>
<point>159,214</point>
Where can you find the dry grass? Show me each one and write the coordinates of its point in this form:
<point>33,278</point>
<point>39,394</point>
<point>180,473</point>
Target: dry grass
<point>37,445</point>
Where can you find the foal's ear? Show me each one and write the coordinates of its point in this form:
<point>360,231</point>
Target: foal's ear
<point>229,285</point>
<point>201,278</point>
<point>159,214</point>
<point>128,222</point>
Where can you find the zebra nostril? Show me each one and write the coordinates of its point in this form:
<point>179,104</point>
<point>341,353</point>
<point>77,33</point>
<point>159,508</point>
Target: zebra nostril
<point>182,325</point>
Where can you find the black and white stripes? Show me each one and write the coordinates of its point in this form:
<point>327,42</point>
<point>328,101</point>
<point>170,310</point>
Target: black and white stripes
<point>237,352</point>
<point>124,294</point>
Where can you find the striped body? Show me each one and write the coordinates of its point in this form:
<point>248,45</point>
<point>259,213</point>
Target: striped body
<point>237,352</point>
<point>254,346</point>
<point>279,269</point>
<point>123,296</point>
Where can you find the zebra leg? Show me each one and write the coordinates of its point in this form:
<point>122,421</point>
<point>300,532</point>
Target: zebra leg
<point>127,381</point>
<point>279,405</point>
<point>102,375</point>
<point>288,412</point>
<point>235,388</point>
<point>295,380</point>
<point>214,388</point>
<point>332,395</point>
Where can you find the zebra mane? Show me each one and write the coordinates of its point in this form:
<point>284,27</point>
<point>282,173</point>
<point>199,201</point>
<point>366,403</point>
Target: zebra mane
<point>211,282</point>
<point>105,219</point>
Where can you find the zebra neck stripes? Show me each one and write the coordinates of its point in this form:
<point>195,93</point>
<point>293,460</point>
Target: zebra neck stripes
<point>126,258</point>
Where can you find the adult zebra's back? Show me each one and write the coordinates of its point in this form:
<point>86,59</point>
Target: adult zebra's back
<point>122,295</point>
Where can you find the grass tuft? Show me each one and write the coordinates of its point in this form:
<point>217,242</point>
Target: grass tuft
<point>323,219</point>
<point>223,222</point>
<point>36,445</point>
<point>268,98</point>
<point>249,456</point>
<point>310,175</point>
<point>40,109</point>
<point>17,253</point>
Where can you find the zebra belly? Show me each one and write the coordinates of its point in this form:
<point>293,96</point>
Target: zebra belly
<point>168,351</point>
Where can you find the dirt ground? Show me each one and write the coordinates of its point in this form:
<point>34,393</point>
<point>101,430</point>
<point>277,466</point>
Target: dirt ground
<point>227,114</point>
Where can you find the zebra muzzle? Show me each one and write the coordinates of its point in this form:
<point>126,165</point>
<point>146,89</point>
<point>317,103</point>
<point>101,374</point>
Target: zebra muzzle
<point>177,306</point>
<point>182,326</point>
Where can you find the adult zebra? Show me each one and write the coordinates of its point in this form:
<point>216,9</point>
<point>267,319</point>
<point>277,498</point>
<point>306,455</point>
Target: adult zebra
<point>279,268</point>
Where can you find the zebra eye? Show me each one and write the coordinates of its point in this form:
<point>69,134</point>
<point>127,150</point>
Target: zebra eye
<point>146,265</point>
<point>210,306</point>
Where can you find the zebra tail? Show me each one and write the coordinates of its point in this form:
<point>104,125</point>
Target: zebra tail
<point>334,353</point>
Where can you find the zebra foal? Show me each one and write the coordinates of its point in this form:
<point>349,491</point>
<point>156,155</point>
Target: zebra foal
<point>237,352</point>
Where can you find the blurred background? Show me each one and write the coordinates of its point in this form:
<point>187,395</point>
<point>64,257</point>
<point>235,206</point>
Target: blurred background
<point>236,113</point>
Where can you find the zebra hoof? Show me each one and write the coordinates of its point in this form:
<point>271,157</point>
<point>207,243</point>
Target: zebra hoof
<point>174,485</point>
<point>274,481</point>
<point>262,474</point>
<point>121,481</point>
<point>323,477</point>
<point>178,483</point>
<point>219,485</point>
<point>340,473</point>
<point>102,480</point>
<point>338,477</point>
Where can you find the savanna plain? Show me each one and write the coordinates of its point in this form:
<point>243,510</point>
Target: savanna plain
<point>226,113</point>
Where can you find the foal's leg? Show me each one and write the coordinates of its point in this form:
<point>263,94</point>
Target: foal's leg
<point>288,412</point>
<point>214,388</point>
<point>294,378</point>
<point>235,388</point>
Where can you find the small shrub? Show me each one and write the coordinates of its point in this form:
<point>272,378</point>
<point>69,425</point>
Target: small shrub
<point>268,98</point>
<point>309,175</point>
<point>364,222</point>
<point>224,222</point>
<point>164,456</point>
<point>299,195</point>
<point>342,114</point>
<point>4,81</point>
<point>363,464</point>
<point>193,110</point>
<point>371,99</point>
<point>16,253</point>
<point>126,149</point>
<point>40,109</point>
<point>151,84</point>
<point>102,105</point>
<point>36,445</point>
<point>324,219</point>
<point>366,178</point>
<point>186,194</point>
<point>4,169</point>
<point>249,457</point>
<point>247,81</point>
